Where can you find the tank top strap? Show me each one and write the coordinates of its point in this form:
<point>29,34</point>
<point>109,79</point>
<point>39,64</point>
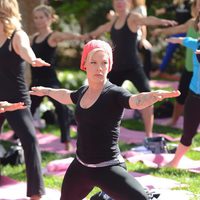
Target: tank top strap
<point>34,38</point>
<point>125,20</point>
<point>127,17</point>
<point>11,40</point>
<point>47,37</point>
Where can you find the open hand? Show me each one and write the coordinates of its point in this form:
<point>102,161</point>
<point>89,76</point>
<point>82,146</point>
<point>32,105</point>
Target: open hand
<point>39,91</point>
<point>38,62</point>
<point>6,106</point>
<point>159,95</point>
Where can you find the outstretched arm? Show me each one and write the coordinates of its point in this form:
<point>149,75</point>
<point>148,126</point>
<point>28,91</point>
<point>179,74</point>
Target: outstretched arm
<point>57,37</point>
<point>60,95</point>
<point>173,30</point>
<point>100,30</point>
<point>175,40</point>
<point>151,20</point>
<point>145,99</point>
<point>22,47</point>
<point>6,106</point>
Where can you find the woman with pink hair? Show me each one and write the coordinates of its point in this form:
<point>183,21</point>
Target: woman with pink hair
<point>99,110</point>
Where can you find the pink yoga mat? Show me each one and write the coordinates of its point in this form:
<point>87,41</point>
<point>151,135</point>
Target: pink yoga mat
<point>57,167</point>
<point>179,123</point>
<point>47,142</point>
<point>164,84</point>
<point>160,160</point>
<point>13,190</point>
<point>153,182</point>
<point>136,137</point>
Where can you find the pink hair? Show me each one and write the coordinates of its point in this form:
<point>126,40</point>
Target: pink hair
<point>96,44</point>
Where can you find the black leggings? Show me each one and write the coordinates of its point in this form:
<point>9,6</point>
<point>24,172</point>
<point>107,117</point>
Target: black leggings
<point>191,118</point>
<point>183,87</point>
<point>137,77</point>
<point>147,60</point>
<point>114,180</point>
<point>22,123</point>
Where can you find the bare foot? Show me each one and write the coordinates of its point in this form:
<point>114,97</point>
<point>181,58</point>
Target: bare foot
<point>171,165</point>
<point>69,146</point>
<point>170,122</point>
<point>35,197</point>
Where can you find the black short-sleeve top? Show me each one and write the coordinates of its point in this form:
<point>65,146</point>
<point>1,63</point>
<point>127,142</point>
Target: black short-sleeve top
<point>99,125</point>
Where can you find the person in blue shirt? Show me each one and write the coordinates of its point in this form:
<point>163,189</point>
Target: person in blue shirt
<point>192,104</point>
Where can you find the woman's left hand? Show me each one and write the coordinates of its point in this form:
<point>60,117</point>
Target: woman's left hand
<point>159,95</point>
<point>38,62</point>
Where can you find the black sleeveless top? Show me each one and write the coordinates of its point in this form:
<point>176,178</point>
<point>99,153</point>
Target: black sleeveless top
<point>44,76</point>
<point>125,53</point>
<point>182,11</point>
<point>12,84</point>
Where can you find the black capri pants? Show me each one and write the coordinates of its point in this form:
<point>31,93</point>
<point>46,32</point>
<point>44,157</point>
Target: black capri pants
<point>183,87</point>
<point>191,118</point>
<point>114,180</point>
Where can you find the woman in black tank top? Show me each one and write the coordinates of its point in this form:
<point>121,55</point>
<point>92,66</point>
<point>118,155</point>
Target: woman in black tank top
<point>44,43</point>
<point>14,49</point>
<point>127,65</point>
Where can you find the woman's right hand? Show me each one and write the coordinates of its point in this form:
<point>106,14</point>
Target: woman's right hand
<point>39,91</point>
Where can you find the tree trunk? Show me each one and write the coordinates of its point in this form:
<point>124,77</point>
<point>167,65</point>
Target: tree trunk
<point>26,8</point>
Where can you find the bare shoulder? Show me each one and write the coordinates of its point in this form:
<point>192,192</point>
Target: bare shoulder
<point>20,34</point>
<point>33,36</point>
<point>134,16</point>
<point>55,37</point>
<point>134,20</point>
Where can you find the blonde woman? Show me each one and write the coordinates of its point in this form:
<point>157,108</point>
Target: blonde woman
<point>14,49</point>
<point>44,43</point>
